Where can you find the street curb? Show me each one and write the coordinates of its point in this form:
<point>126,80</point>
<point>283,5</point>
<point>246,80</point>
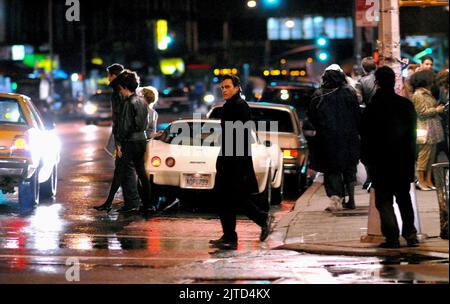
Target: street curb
<point>338,249</point>
<point>278,237</point>
<point>279,240</point>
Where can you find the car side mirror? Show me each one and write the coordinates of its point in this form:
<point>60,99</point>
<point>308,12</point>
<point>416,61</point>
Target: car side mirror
<point>268,143</point>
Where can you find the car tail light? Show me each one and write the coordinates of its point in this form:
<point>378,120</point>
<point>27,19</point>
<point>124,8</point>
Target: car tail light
<point>170,162</point>
<point>290,154</point>
<point>156,161</point>
<point>20,145</point>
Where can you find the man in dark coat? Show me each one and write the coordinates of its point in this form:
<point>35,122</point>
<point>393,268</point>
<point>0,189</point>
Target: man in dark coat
<point>388,136</point>
<point>334,113</point>
<point>236,178</point>
<point>116,105</point>
<point>132,143</point>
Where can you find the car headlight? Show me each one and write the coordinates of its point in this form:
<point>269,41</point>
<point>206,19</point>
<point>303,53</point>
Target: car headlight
<point>90,109</point>
<point>209,98</point>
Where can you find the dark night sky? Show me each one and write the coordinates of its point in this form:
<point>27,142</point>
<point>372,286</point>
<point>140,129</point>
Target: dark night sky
<point>122,28</point>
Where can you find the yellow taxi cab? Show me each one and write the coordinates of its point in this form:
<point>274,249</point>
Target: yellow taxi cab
<point>29,151</point>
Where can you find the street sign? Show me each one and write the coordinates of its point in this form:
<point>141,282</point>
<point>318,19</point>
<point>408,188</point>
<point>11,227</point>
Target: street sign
<point>367,13</point>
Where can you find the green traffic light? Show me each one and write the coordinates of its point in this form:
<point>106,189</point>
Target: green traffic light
<point>322,42</point>
<point>323,56</point>
<point>14,86</point>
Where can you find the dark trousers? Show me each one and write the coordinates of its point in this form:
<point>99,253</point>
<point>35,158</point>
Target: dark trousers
<point>335,182</point>
<point>233,199</point>
<point>384,201</point>
<point>133,162</point>
<point>116,182</point>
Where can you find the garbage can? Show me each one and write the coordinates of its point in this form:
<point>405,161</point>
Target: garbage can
<point>440,172</point>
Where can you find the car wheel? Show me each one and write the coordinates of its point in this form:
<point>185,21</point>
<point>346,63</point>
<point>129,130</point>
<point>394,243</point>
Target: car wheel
<point>49,188</point>
<point>29,193</point>
<point>88,122</point>
<point>277,193</point>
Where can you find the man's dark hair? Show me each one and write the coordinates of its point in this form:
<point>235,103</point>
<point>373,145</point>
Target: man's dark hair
<point>423,79</point>
<point>368,64</point>
<point>236,81</point>
<point>115,69</point>
<point>128,80</point>
<point>427,58</point>
<point>385,77</point>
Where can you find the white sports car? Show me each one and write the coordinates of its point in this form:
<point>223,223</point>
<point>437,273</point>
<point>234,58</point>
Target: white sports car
<point>183,160</point>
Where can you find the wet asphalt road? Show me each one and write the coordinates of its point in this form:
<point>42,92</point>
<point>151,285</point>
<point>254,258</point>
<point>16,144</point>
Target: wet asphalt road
<point>67,234</point>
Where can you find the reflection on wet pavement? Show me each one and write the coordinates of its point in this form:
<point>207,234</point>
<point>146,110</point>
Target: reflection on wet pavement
<point>167,248</point>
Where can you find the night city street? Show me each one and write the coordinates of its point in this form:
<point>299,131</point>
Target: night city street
<point>262,144</point>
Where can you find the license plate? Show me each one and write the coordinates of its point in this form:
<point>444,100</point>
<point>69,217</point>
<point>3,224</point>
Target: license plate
<point>197,181</point>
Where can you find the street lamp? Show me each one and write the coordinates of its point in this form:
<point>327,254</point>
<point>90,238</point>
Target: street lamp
<point>251,4</point>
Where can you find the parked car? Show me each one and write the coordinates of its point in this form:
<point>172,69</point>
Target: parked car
<point>68,109</point>
<point>296,94</point>
<point>183,161</point>
<point>29,151</point>
<point>98,107</point>
<point>175,100</point>
<point>288,135</point>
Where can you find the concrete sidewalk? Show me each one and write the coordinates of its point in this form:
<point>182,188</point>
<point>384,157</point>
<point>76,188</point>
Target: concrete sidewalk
<point>308,228</point>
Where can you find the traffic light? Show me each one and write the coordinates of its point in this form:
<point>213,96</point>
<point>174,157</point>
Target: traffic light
<point>323,56</point>
<point>322,43</point>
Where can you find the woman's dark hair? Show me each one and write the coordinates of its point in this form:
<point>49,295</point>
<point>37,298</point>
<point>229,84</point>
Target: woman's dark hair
<point>128,80</point>
<point>333,79</point>
<point>427,58</point>
<point>385,77</point>
<point>442,79</point>
<point>115,69</point>
<point>422,79</point>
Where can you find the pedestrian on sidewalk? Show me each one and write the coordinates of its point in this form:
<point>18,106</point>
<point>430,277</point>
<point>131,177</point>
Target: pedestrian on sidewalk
<point>388,149</point>
<point>132,143</point>
<point>429,125</point>
<point>236,179</point>
<point>334,112</point>
<point>117,104</point>
<point>367,88</point>
<point>443,83</point>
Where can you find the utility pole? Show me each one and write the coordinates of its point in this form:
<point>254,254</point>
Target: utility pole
<point>50,43</point>
<point>83,59</point>
<point>389,44</point>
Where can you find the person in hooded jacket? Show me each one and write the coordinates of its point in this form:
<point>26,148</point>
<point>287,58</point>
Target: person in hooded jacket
<point>335,114</point>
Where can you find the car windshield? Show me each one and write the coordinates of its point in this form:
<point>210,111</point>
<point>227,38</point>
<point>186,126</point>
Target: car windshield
<point>299,98</point>
<point>10,112</point>
<point>204,134</point>
<point>264,118</point>
<point>193,134</point>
